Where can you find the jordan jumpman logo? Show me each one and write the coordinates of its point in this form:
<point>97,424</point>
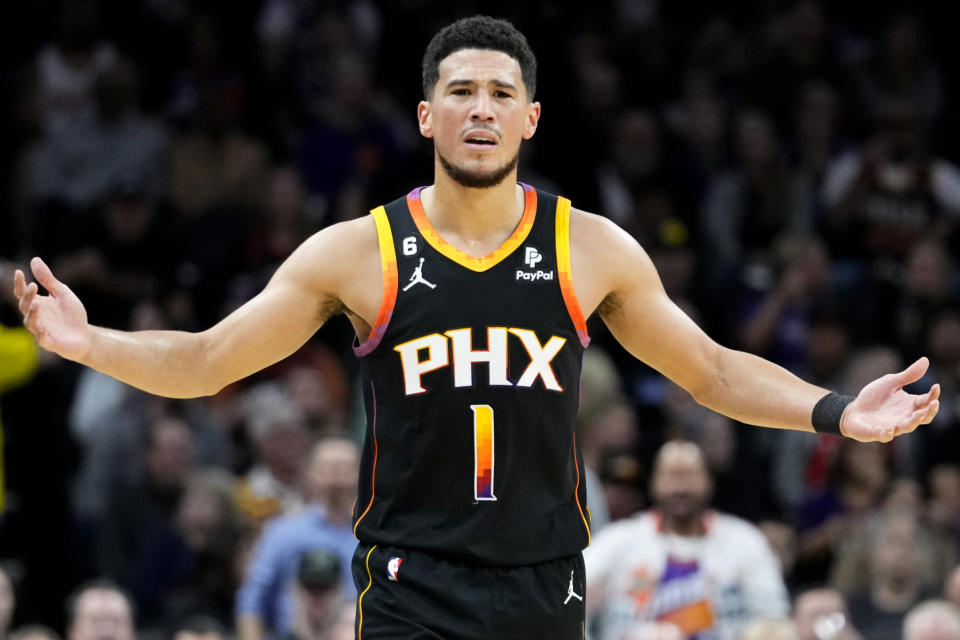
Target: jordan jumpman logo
<point>417,278</point>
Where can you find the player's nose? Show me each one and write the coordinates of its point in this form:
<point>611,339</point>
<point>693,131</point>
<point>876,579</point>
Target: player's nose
<point>482,108</point>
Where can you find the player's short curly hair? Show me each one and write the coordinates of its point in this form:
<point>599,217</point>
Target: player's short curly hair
<point>479,32</point>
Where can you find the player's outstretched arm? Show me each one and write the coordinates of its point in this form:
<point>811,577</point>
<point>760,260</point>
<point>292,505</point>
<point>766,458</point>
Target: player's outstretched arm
<point>299,298</point>
<point>745,387</point>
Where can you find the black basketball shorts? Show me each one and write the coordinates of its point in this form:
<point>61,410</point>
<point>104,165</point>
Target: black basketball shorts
<point>404,594</point>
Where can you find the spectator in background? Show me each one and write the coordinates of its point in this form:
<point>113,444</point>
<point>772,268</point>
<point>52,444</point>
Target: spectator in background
<point>124,255</point>
<point>606,426</point>
<point>816,135</point>
<point>733,457</point>
<point>279,227</point>
<point>883,197</point>
<point>803,49</point>
<point>943,505</point>
<point>199,627</point>
<point>782,539</point>
<point>150,502</point>
<point>821,613</point>
<point>100,610</point>
<point>900,69</point>
<point>264,604</point>
<point>635,166</point>
<point>217,178</point>
<point>34,632</point>
<point>350,142</point>
<point>699,122</point>
<point>622,477</point>
<point>70,173</point>
<point>932,620</point>
<point>775,321</point>
<point>110,420</point>
<point>839,513</point>
<point>747,207</point>
<point>66,69</point>
<point>318,387</point>
<point>345,623</point>
<point>8,602</point>
<point>769,629</point>
<point>20,358</point>
<point>941,439</point>
<point>278,430</point>
<point>703,571</point>
<point>896,549</point>
<point>318,597</point>
<point>951,587</point>
<point>189,566</point>
<point>800,460</point>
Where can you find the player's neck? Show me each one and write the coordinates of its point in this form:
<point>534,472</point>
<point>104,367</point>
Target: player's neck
<point>473,214</point>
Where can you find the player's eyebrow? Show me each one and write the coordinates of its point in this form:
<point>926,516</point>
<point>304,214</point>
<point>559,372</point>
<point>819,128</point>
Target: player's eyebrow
<point>503,84</point>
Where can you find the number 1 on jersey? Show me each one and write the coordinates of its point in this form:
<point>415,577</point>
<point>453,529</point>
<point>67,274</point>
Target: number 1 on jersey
<point>483,451</point>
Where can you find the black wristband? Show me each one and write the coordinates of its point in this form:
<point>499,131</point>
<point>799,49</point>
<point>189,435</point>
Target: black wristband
<point>828,411</point>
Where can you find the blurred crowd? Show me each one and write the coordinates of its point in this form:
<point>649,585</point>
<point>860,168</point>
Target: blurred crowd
<point>787,165</point>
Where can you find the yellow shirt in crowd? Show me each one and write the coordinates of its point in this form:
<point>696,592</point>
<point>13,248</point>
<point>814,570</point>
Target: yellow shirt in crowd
<point>18,362</point>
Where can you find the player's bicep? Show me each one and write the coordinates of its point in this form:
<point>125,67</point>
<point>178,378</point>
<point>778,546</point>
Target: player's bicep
<point>650,326</point>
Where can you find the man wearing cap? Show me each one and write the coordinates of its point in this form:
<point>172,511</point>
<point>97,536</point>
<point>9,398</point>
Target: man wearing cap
<point>317,596</point>
<point>264,602</point>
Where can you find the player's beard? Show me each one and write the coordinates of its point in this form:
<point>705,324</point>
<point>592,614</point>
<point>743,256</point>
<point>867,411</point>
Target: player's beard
<point>478,179</point>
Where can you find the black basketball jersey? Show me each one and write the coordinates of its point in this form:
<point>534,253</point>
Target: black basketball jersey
<point>471,386</point>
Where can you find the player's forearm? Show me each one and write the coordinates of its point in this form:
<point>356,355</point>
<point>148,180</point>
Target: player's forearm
<point>167,363</point>
<point>755,391</point>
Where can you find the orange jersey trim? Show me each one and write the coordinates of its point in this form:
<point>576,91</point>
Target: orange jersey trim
<point>576,490</point>
<point>566,277</point>
<point>388,262</point>
<point>465,260</point>
<point>360,599</point>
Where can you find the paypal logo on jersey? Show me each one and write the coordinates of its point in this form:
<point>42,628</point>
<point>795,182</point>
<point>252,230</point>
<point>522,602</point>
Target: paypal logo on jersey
<point>533,276</point>
<point>531,257</point>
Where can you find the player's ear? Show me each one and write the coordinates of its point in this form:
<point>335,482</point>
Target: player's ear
<point>533,117</point>
<point>425,119</point>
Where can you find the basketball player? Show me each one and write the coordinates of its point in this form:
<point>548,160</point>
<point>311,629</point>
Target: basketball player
<point>469,300</point>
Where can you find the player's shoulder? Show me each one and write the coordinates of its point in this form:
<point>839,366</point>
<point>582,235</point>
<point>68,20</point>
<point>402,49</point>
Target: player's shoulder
<point>592,231</point>
<point>599,245</point>
<point>351,239</point>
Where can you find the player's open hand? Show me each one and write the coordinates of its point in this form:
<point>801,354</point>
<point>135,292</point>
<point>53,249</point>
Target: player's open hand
<point>883,410</point>
<point>57,321</point>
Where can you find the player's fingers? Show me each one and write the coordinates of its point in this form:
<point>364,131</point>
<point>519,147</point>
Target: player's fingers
<point>911,374</point>
<point>19,283</point>
<point>924,399</point>
<point>28,298</point>
<point>931,412</point>
<point>914,421</point>
<point>30,320</point>
<point>45,277</point>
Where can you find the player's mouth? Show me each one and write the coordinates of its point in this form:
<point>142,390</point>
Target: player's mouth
<point>481,139</point>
